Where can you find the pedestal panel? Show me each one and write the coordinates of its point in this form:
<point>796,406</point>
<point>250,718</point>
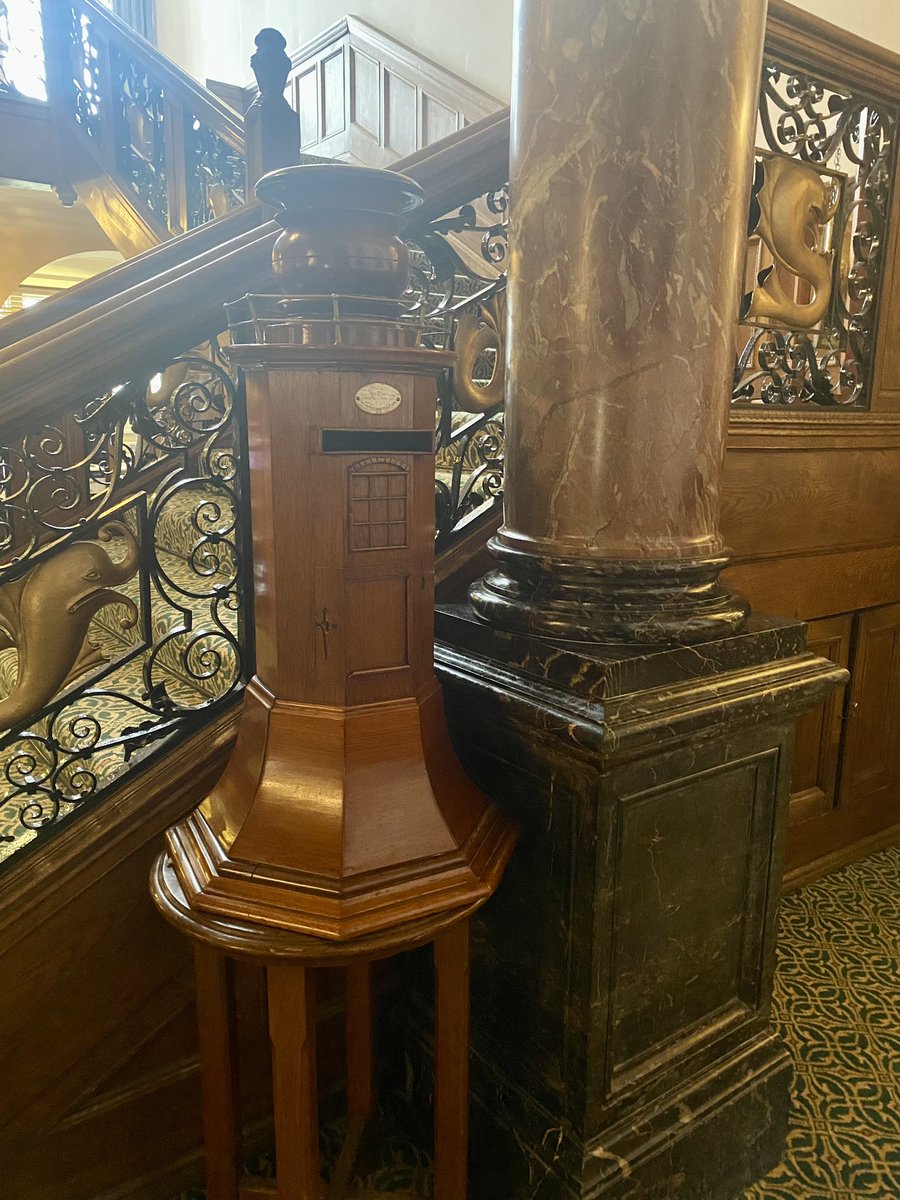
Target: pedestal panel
<point>622,975</point>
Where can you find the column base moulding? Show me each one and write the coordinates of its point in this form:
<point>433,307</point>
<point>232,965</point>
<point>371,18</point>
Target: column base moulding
<point>622,974</point>
<point>641,600</point>
<point>670,1151</point>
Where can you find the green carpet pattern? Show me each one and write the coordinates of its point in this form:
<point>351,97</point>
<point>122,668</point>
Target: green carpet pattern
<point>837,1004</point>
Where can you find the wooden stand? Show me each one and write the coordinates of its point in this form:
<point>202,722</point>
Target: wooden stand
<point>290,960</point>
<point>343,829</point>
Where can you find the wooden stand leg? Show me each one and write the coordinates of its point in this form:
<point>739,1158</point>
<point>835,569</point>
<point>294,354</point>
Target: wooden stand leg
<point>360,1041</point>
<point>360,1035</point>
<point>218,1071</point>
<point>292,1029</point>
<point>451,1063</point>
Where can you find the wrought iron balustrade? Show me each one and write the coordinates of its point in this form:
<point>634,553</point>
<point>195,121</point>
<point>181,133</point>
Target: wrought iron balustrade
<point>459,283</point>
<point>124,542</point>
<point>123,577</point>
<point>172,145</point>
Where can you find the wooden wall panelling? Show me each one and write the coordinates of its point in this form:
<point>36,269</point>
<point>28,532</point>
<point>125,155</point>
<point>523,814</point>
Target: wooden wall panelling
<point>96,1004</point>
<point>334,98</point>
<point>400,99</point>
<point>818,738</point>
<point>306,102</point>
<point>438,121</point>
<point>812,586</point>
<point>844,552</point>
<point>99,1064</point>
<point>365,99</point>
<point>363,95</point>
<point>811,511</point>
<point>871,769</point>
<point>796,501</point>
<point>320,96</point>
<point>868,801</point>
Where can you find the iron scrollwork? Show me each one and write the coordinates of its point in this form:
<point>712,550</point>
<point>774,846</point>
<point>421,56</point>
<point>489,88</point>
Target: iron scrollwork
<point>460,288</point>
<point>140,113</point>
<point>216,174</point>
<point>817,224</point>
<point>86,98</point>
<point>124,552</point>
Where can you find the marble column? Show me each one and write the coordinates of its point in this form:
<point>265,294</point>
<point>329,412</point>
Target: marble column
<point>632,138</point>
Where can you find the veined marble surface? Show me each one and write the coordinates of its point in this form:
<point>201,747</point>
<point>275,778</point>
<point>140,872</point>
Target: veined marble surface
<point>631,159</point>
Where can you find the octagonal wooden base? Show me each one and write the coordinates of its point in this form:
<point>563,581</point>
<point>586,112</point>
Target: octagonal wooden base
<point>341,822</point>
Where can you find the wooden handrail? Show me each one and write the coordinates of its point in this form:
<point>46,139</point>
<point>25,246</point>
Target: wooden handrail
<point>129,274</point>
<point>162,304</point>
<point>820,46</point>
<point>461,166</point>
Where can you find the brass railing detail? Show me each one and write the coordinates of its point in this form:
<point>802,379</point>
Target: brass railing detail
<point>818,229</point>
<point>45,616</point>
<point>795,205</point>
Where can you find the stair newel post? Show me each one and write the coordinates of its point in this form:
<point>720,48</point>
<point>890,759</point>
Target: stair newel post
<point>272,127</point>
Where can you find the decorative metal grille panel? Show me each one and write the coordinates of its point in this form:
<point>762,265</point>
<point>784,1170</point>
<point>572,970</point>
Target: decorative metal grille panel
<point>87,96</point>
<point>140,108</point>
<point>216,174</point>
<point>123,560</point>
<point>818,228</point>
<point>459,283</point>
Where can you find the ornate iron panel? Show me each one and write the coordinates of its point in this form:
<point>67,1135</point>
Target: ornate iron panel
<point>123,575</point>
<point>140,123</point>
<point>459,284</point>
<point>818,228</point>
<point>86,96</point>
<point>216,174</point>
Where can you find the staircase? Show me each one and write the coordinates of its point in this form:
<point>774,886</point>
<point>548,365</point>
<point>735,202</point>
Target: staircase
<point>121,446</point>
<point>121,453</point>
<point>152,154</point>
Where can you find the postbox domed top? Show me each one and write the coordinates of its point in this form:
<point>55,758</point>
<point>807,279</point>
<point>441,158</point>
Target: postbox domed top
<point>339,186</point>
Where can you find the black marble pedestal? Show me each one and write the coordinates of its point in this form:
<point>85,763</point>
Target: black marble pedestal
<point>622,974</point>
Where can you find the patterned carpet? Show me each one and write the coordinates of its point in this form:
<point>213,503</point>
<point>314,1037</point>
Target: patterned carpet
<point>837,1002</point>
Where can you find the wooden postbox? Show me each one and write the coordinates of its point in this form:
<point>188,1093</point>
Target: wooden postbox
<point>343,808</point>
